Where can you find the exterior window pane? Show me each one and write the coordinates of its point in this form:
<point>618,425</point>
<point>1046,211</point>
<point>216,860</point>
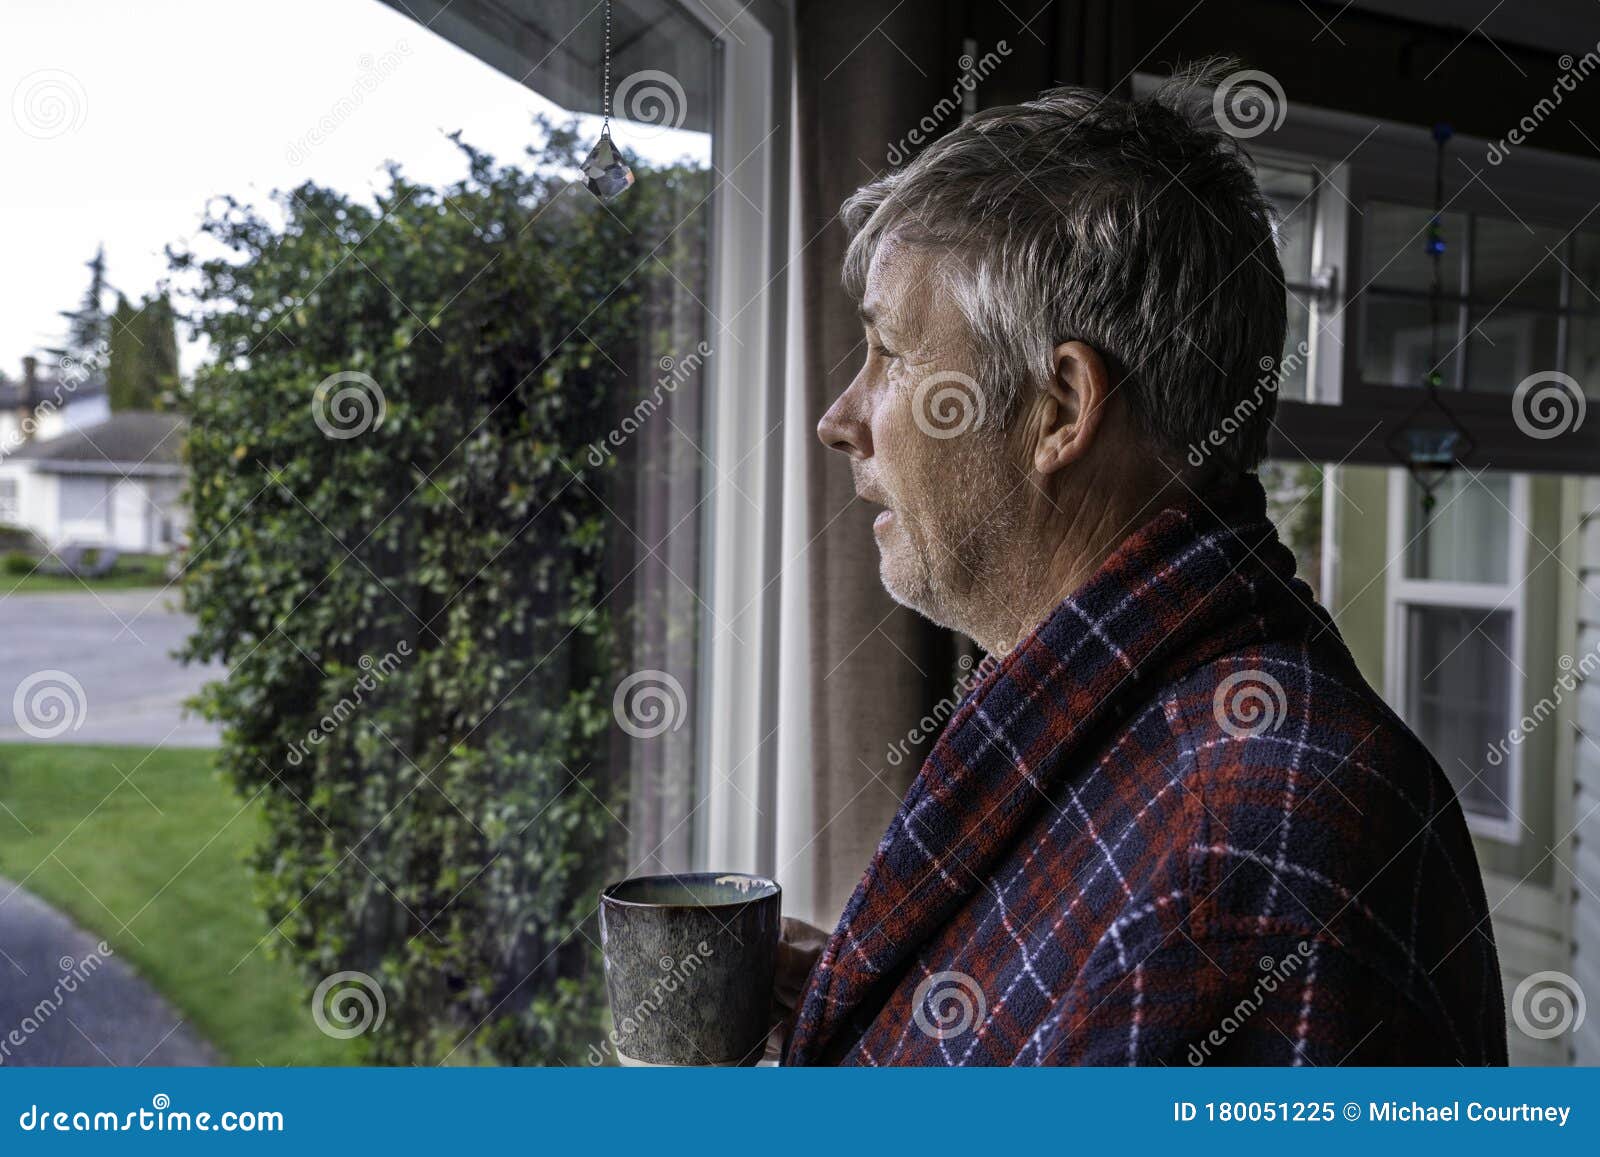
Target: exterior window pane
<point>1397,347</point>
<point>1467,539</point>
<point>1512,262</point>
<point>1583,352</point>
<point>1393,250</point>
<point>1458,683</point>
<point>1507,345</point>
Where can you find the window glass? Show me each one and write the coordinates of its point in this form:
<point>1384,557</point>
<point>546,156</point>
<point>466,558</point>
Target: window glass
<point>1394,248</point>
<point>83,499</point>
<point>1458,685</point>
<point>1292,193</point>
<point>1295,493</point>
<point>1467,536</point>
<point>1398,345</point>
<point>1507,345</point>
<point>1512,262</point>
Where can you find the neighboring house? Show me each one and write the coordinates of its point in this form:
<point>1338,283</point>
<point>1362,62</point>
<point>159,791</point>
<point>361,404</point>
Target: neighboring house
<point>1479,621</point>
<point>116,483</point>
<point>43,405</point>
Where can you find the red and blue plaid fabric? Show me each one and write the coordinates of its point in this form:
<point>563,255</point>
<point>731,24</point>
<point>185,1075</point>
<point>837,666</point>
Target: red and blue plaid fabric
<point>1173,826</point>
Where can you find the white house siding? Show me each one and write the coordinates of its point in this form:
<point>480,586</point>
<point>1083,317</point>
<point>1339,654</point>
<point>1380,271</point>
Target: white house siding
<point>1586,756</point>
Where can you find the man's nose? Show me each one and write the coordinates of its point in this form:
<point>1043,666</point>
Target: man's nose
<point>843,431</point>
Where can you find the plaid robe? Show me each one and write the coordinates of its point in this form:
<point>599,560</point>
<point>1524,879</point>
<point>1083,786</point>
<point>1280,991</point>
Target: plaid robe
<point>1173,826</point>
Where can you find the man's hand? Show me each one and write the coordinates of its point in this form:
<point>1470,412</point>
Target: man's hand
<point>799,945</point>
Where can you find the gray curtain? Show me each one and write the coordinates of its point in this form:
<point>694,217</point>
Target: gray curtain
<point>866,74</point>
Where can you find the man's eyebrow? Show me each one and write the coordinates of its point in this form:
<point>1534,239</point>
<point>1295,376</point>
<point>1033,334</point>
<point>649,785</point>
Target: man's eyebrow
<point>875,317</point>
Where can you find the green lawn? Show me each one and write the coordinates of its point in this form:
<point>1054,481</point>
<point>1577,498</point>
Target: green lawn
<point>101,852</point>
<point>131,572</point>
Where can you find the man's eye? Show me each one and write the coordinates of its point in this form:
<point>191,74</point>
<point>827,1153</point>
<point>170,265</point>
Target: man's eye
<point>884,352</point>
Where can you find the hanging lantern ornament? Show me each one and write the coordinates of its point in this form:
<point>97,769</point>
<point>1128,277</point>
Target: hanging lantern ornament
<point>1431,441</point>
<point>604,170</point>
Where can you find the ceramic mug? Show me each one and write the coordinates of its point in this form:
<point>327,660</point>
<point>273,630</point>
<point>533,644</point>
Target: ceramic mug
<point>689,963</point>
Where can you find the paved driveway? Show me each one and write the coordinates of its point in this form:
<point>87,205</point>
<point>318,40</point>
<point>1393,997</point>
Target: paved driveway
<point>117,647</point>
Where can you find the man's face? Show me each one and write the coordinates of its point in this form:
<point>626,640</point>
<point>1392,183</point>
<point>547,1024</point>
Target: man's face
<point>910,422</point>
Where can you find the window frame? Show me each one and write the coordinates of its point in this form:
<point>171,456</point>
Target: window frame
<point>1402,592</point>
<point>1394,162</point>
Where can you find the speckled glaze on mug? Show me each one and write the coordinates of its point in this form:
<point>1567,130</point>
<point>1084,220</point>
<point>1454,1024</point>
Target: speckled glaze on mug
<point>689,966</point>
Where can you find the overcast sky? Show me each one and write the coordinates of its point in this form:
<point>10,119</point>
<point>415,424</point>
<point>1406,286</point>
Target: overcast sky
<point>123,118</point>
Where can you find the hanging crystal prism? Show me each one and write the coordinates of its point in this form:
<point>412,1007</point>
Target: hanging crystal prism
<point>605,171</point>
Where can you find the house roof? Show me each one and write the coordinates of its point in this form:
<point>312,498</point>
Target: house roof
<point>131,442</point>
<point>14,393</point>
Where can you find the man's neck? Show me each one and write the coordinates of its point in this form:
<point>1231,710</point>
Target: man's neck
<point>1077,534</point>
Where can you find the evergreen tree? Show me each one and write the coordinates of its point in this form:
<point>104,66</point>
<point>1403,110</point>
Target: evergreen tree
<point>143,370</point>
<point>88,325</point>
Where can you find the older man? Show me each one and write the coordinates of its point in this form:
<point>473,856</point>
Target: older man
<point>1171,824</point>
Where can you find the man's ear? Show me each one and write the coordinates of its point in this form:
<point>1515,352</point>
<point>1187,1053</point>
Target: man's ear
<point>1074,405</point>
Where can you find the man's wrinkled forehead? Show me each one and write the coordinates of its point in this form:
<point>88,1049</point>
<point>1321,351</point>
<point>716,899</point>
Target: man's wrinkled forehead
<point>903,290</point>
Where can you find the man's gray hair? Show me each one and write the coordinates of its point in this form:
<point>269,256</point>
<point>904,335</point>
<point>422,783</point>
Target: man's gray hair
<point>1136,227</point>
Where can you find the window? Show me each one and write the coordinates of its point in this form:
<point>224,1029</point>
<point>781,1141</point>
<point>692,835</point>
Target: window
<point>83,498</point>
<point>1455,634</point>
<point>8,500</point>
<point>1309,231</point>
<point>1503,283</point>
